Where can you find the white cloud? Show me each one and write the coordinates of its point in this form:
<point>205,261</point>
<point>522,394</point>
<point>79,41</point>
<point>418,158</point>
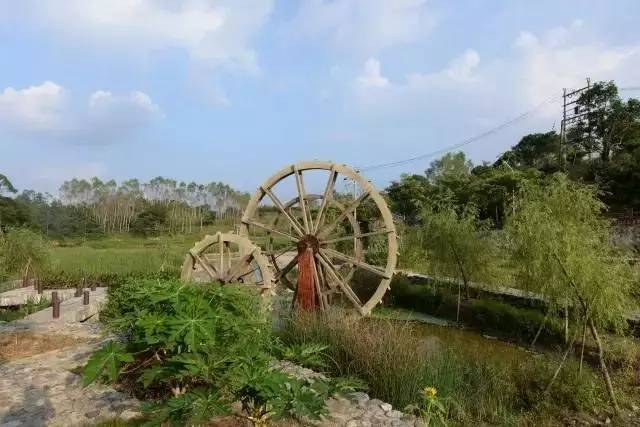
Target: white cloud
<point>458,74</point>
<point>563,57</point>
<point>217,32</point>
<point>365,25</point>
<point>459,71</point>
<point>39,108</point>
<point>371,75</point>
<point>47,110</point>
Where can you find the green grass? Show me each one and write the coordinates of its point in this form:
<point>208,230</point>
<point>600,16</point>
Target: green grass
<point>10,314</point>
<point>477,387</point>
<point>493,317</point>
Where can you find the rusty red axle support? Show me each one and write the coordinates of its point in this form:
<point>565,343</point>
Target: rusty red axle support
<point>307,297</point>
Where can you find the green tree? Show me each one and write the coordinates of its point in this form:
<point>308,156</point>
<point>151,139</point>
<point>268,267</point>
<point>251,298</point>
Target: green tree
<point>455,244</point>
<point>451,166</point>
<point>6,186</point>
<point>607,123</point>
<point>563,251</point>
<point>537,150</point>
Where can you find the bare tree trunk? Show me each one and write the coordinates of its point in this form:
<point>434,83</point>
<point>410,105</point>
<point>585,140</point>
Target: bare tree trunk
<point>559,368</point>
<point>462,273</point>
<point>533,343</point>
<point>603,367</point>
<point>584,338</point>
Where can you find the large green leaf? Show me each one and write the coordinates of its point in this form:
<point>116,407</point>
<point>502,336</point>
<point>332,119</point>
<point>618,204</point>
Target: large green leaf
<point>106,361</point>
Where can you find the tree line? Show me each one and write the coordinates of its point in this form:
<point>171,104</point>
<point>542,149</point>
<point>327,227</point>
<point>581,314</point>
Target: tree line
<point>99,207</point>
<point>602,148</point>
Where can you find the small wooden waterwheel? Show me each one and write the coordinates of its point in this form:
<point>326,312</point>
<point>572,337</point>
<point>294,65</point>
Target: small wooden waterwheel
<point>329,247</point>
<point>228,258</point>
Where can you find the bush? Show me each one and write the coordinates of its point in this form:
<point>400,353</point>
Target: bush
<point>195,350</point>
<point>22,250</point>
<point>571,390</point>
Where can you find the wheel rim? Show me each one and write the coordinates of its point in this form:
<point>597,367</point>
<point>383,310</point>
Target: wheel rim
<point>227,258</point>
<point>324,229</point>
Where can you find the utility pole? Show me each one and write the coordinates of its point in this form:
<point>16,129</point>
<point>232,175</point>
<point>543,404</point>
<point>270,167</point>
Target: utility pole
<point>572,115</point>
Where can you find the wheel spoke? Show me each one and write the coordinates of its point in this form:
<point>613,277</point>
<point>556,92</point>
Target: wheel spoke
<point>211,270</point>
<point>328,194</point>
<point>372,268</point>
<point>221,246</point>
<point>288,267</point>
<point>273,230</point>
<point>303,200</point>
<point>294,222</point>
<point>356,236</point>
<point>234,272</point>
<point>341,284</point>
<point>316,280</point>
<point>350,208</point>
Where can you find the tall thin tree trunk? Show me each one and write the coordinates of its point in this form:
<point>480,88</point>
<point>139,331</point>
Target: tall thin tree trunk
<point>603,367</point>
<point>559,368</point>
<point>544,320</point>
<point>584,338</point>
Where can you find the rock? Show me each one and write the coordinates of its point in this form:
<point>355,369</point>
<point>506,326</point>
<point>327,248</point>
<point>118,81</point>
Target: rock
<point>360,396</point>
<point>395,414</point>
<point>386,407</point>
<point>128,414</point>
<point>92,414</point>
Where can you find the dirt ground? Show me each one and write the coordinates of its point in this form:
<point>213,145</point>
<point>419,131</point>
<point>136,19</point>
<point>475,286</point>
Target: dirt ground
<point>15,345</point>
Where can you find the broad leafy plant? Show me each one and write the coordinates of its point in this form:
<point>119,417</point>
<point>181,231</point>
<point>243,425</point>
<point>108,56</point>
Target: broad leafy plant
<point>193,351</point>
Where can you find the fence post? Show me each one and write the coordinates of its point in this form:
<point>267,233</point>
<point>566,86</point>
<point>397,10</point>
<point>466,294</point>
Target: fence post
<point>55,301</point>
<point>78,290</point>
<point>85,298</point>
<point>93,286</point>
<point>39,286</point>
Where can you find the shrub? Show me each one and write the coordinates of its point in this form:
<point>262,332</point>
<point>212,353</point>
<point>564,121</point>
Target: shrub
<point>22,250</point>
<point>195,350</point>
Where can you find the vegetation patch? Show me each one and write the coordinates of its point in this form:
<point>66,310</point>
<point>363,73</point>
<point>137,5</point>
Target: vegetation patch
<point>192,352</point>
<point>473,388</point>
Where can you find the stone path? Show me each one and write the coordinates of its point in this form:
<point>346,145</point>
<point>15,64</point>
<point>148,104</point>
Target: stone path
<point>42,390</point>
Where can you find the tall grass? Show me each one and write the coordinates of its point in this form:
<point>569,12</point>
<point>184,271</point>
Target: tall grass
<point>397,363</point>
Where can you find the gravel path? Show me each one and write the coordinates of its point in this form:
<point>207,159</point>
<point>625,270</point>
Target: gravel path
<point>41,390</point>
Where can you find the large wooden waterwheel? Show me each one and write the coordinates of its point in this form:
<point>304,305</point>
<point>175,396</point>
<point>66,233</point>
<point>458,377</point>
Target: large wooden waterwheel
<point>228,258</point>
<point>348,235</point>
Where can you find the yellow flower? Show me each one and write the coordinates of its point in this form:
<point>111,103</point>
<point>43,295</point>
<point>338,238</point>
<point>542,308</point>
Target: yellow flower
<point>429,392</point>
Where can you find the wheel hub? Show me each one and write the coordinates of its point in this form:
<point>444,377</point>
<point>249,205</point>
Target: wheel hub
<point>308,241</point>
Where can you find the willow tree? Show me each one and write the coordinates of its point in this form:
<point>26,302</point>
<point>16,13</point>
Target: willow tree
<point>456,244</point>
<point>562,249</point>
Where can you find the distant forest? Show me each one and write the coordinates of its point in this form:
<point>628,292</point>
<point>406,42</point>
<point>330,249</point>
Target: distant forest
<point>602,148</point>
<point>97,207</point>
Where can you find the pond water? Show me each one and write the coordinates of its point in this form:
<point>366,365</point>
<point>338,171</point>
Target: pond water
<point>471,342</point>
<point>440,333</point>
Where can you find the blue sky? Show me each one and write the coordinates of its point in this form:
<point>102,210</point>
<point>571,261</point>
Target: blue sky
<point>234,90</point>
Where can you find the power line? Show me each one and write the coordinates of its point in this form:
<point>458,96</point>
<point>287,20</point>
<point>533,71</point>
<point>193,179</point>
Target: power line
<point>465,141</point>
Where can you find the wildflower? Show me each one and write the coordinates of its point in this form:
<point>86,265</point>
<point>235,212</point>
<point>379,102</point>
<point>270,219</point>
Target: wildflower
<point>429,392</point>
